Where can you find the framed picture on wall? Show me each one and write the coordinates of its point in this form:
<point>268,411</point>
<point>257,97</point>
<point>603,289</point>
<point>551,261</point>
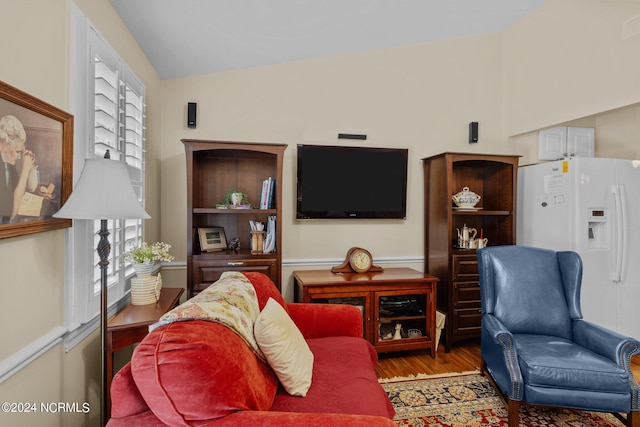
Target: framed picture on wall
<point>212,239</point>
<point>36,149</point>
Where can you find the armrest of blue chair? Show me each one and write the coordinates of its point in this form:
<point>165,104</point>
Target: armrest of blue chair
<point>501,357</point>
<point>612,345</point>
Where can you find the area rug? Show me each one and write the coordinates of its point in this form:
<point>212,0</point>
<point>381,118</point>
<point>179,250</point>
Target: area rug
<point>468,399</point>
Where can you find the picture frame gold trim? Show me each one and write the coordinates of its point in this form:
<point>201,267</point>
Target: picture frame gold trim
<point>212,239</point>
<point>50,136</point>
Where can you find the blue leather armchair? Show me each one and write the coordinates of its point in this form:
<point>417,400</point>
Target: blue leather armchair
<point>535,344</point>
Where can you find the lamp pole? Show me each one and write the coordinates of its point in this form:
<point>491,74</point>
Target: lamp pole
<point>104,248</point>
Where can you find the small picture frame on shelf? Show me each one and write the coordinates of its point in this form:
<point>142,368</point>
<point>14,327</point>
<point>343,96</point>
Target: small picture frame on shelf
<point>212,239</point>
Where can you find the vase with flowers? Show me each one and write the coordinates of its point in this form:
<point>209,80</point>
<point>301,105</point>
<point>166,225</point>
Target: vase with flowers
<point>145,257</point>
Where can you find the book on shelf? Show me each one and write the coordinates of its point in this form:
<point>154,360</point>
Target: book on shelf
<point>266,197</point>
<point>263,194</point>
<point>270,239</point>
<point>270,198</point>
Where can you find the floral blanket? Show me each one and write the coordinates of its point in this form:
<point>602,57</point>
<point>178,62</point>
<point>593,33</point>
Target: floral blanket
<point>231,301</point>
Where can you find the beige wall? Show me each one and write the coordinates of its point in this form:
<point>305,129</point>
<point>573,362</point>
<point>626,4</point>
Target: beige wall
<point>421,97</point>
<point>36,57</point>
<point>31,288</point>
<point>568,60</point>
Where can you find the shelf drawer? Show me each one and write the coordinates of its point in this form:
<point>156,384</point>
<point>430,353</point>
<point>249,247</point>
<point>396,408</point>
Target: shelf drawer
<point>205,272</point>
<point>467,321</point>
<point>465,268</point>
<point>466,294</point>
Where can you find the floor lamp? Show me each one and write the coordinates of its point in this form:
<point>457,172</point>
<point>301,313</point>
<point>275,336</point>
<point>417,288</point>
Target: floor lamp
<point>103,192</point>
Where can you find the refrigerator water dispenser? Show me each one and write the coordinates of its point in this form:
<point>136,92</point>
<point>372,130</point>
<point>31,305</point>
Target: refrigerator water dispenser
<point>598,229</point>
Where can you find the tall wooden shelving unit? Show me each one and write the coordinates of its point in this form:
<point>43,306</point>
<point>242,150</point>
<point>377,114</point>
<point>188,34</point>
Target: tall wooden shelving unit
<point>493,177</point>
<point>213,168</point>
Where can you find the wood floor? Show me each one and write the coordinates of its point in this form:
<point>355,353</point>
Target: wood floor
<point>464,356</point>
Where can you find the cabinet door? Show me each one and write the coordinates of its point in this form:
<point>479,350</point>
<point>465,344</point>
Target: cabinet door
<point>362,300</point>
<point>552,143</point>
<point>402,317</point>
<point>581,142</point>
<point>563,141</point>
<point>207,271</point>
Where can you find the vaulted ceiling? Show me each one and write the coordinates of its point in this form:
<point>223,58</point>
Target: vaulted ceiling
<point>190,37</point>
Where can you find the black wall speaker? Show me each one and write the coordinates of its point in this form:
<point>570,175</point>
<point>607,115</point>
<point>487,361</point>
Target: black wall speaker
<point>473,132</point>
<point>352,136</point>
<point>191,114</point>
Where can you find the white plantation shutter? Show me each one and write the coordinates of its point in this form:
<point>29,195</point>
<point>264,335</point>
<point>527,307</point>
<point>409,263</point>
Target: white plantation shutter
<point>119,128</point>
<point>134,142</point>
<point>119,125</point>
<point>108,104</point>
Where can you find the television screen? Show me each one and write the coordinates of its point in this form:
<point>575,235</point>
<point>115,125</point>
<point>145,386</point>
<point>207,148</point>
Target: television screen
<point>351,182</point>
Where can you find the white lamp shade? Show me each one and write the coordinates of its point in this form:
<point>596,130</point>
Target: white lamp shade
<point>104,191</point>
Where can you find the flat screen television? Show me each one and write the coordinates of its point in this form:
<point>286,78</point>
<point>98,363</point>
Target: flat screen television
<point>351,182</point>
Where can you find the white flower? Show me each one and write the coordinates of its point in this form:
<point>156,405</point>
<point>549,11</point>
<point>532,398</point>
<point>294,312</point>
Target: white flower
<point>158,251</point>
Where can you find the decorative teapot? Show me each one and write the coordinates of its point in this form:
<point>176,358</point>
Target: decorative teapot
<point>465,198</point>
<point>466,235</point>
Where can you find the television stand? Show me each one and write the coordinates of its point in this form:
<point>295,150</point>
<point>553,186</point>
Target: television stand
<point>395,296</point>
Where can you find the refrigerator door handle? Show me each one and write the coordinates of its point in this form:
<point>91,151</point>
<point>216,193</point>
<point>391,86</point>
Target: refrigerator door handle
<point>624,233</point>
<point>620,228</point>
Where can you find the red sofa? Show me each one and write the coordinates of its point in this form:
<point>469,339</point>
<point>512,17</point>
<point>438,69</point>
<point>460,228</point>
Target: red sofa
<point>200,373</point>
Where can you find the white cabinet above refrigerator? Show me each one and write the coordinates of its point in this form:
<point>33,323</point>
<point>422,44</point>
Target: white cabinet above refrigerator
<point>566,141</point>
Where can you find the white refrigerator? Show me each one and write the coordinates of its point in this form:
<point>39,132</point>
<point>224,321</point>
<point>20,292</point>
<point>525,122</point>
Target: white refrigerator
<point>590,206</point>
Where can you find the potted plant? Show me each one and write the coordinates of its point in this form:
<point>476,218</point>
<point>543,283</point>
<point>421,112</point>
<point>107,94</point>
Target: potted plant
<point>236,200</point>
<point>145,256</point>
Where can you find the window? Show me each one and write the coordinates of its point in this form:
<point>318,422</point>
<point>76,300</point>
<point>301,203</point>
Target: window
<point>108,104</point>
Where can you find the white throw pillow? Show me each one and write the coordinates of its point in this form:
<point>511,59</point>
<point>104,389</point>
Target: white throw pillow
<point>285,348</point>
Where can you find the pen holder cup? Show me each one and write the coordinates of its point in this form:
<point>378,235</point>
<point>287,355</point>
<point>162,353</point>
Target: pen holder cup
<point>257,241</point>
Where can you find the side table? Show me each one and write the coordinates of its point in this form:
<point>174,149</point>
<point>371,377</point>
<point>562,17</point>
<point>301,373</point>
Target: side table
<point>131,325</point>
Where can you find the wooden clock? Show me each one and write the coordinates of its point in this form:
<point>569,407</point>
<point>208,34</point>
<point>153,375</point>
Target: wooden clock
<point>358,260</point>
